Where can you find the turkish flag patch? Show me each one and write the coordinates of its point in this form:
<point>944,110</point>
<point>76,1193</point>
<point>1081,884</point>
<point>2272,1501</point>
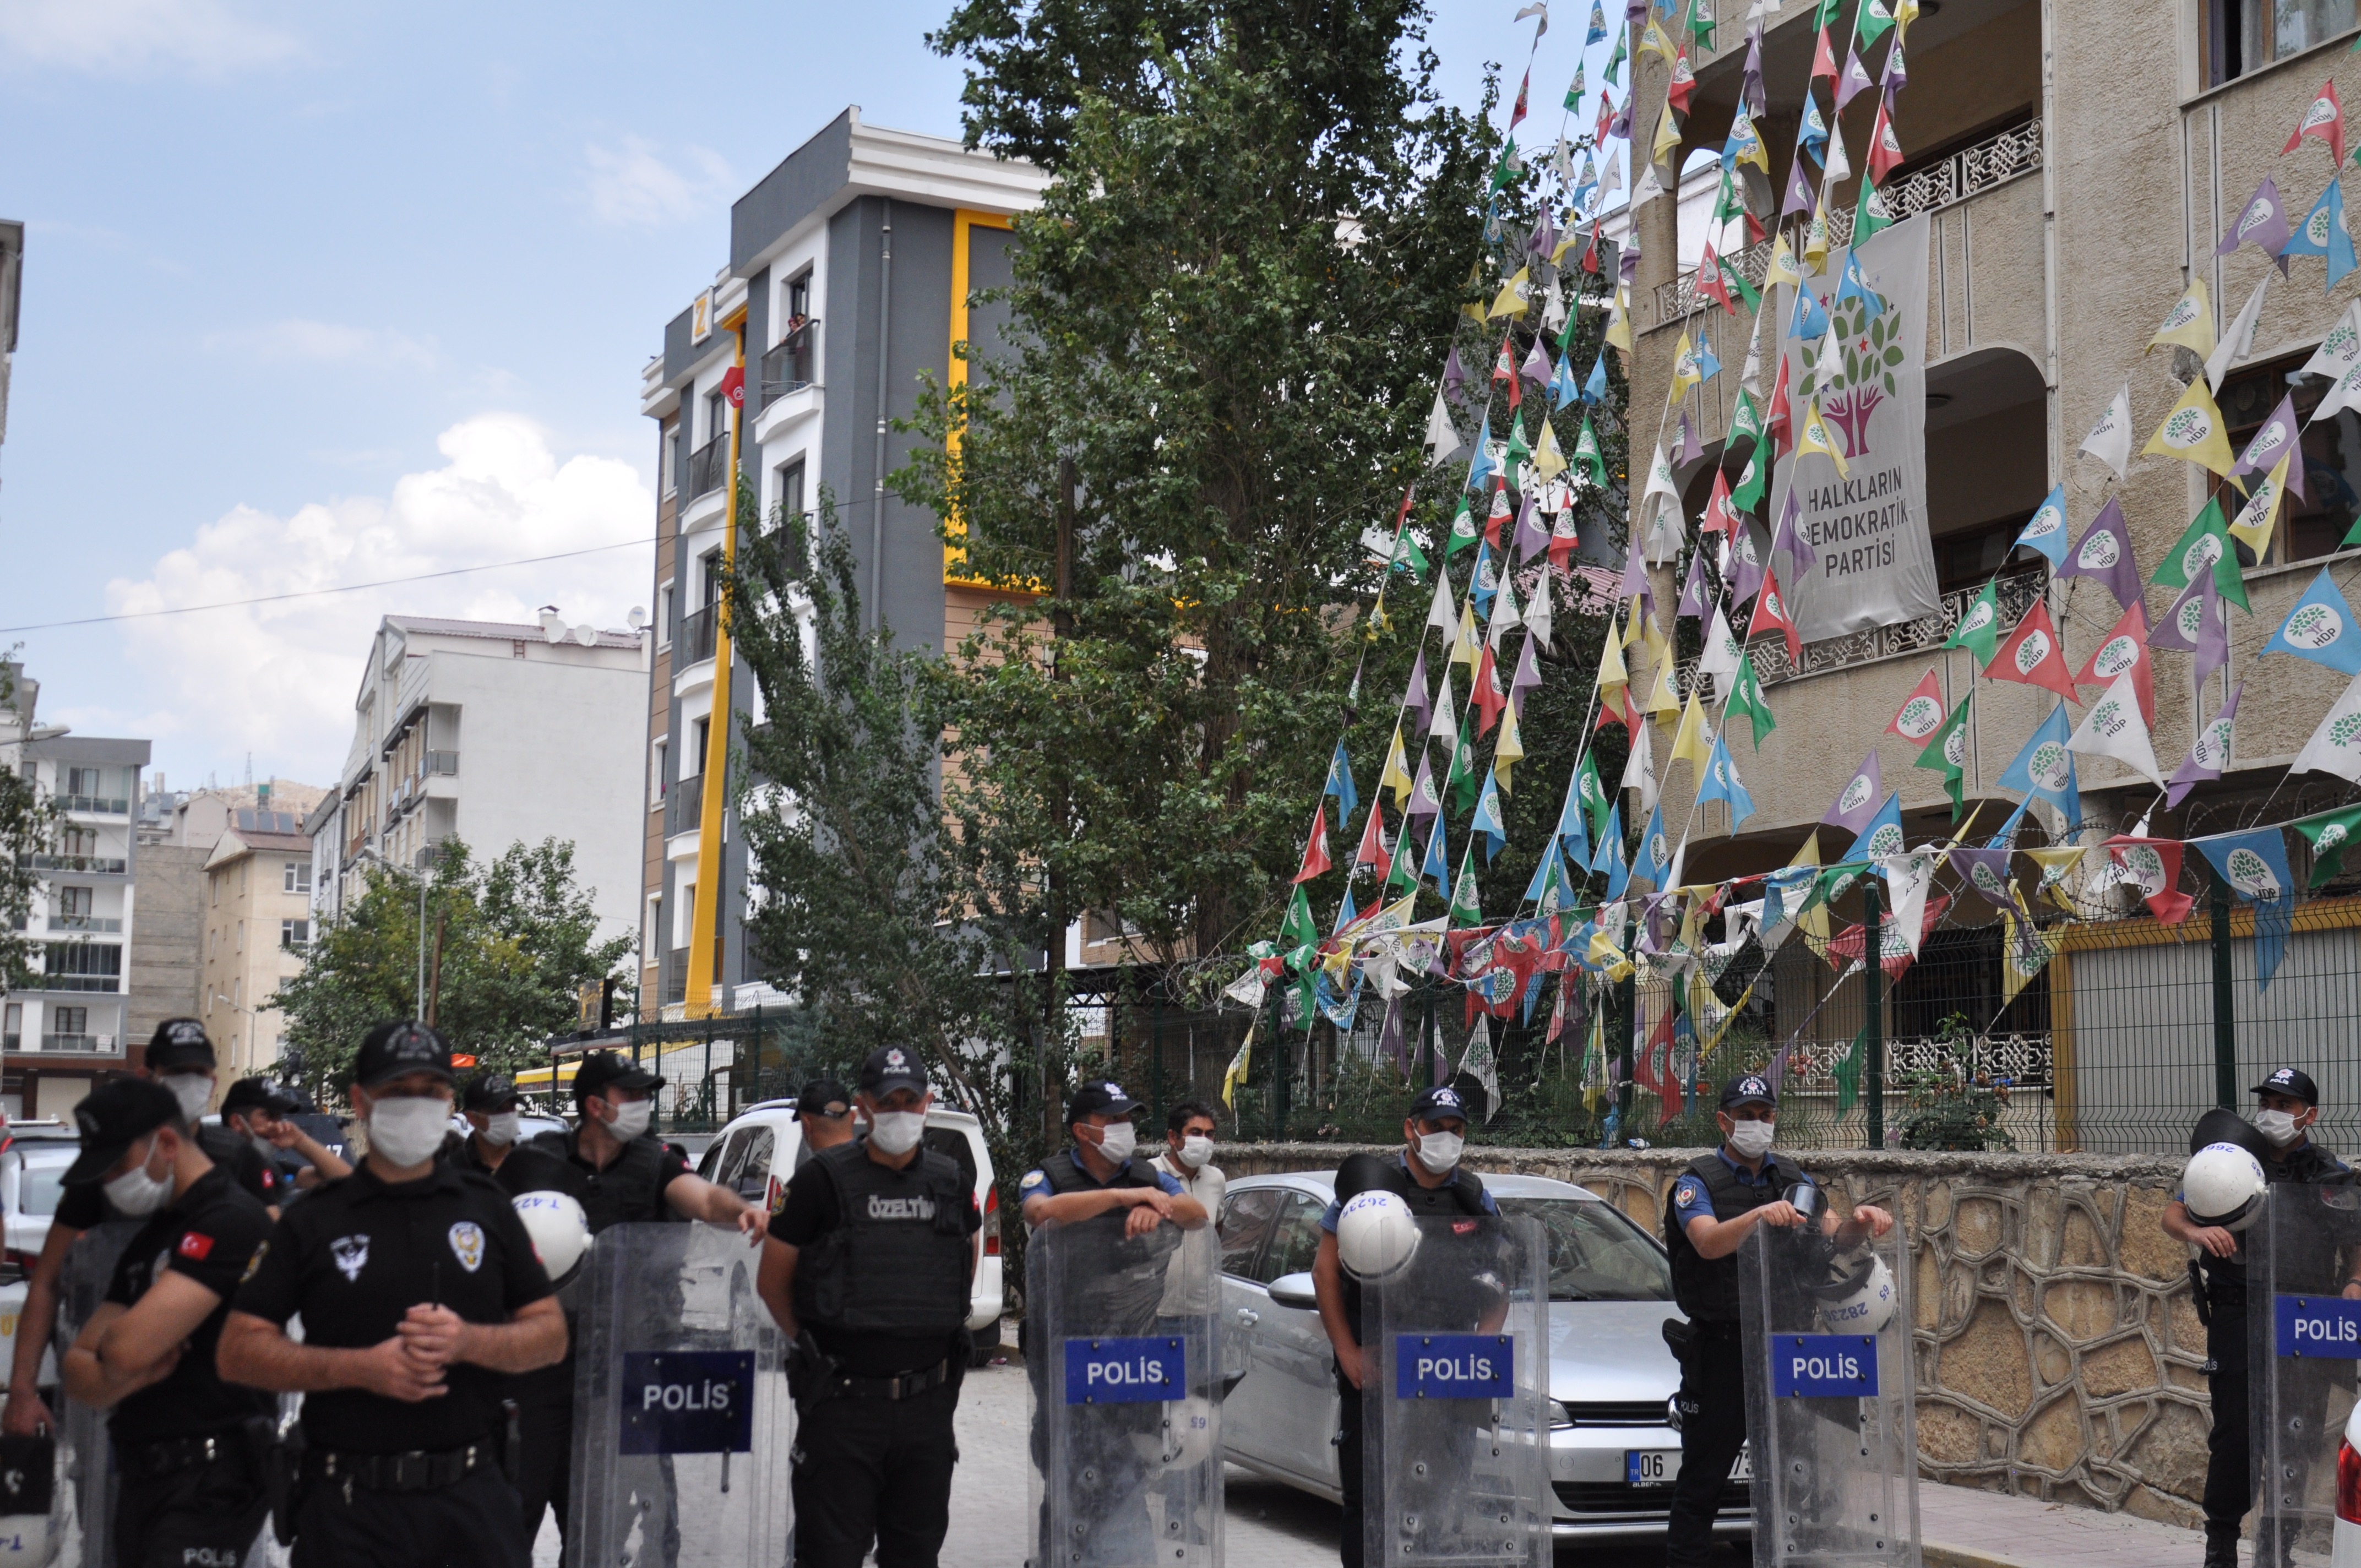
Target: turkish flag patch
<point>196,1245</point>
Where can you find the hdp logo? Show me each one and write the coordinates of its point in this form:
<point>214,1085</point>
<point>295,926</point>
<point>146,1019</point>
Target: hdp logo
<point>1886,841</point>
<point>2258,211</point>
<point>2320,113</point>
<point>2315,227</point>
<point>2251,874</point>
<point>1919,717</point>
<point>2188,427</point>
<point>2314,626</point>
<point>2344,731</point>
<point>1856,794</point>
<point>2051,768</point>
<point>2269,441</point>
<point>2098,553</point>
<point>2200,555</point>
<point>2191,619</point>
<point>2118,655</point>
<point>2213,748</point>
<point>1659,850</point>
<point>1986,879</point>
<point>1979,617</point>
<point>1955,747</point>
<point>2108,719</point>
<point>1589,786</point>
<point>2144,863</point>
<point>2046,521</point>
<point>2182,314</point>
<point>2031,651</point>
<point>2330,835</point>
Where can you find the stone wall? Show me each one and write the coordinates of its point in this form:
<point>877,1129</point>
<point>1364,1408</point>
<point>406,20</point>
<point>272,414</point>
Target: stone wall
<point>2058,1354</point>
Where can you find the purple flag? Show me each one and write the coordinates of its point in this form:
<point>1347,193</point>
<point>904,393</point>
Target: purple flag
<point>1627,259</point>
<point>2261,222</point>
<point>2270,443</point>
<point>1744,566</point>
<point>1986,871</point>
<point>1537,367</point>
<point>1454,379</point>
<point>1689,449</point>
<point>1693,591</point>
<point>1635,577</point>
<point>1544,235</point>
<point>2208,754</point>
<point>1414,700</point>
<point>1751,83</point>
<point>1635,11</point>
<point>1801,193</point>
<point>1390,1040</point>
<point>2106,554</point>
<point>1528,675</point>
<point>1532,539</point>
<point>1896,75</point>
<point>1787,539</point>
<point>1857,801</point>
<point>1423,799</point>
<point>2194,625</point>
<point>1852,81</point>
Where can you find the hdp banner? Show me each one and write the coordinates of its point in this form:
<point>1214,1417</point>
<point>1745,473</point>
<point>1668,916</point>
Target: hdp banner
<point>1866,528</point>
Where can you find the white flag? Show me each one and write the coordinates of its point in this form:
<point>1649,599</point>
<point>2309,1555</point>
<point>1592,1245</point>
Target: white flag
<point>2346,394</point>
<point>1441,614</point>
<point>1640,772</point>
<point>1720,656</point>
<point>2109,440</point>
<point>1907,878</point>
<point>1444,726</point>
<point>2113,728</point>
<point>1477,1063</point>
<point>2336,746</point>
<point>2238,339</point>
<point>1648,190</point>
<point>1537,613</point>
<point>1660,543</point>
<point>1505,618</point>
<point>1246,991</point>
<point>1444,442</point>
<point>1840,168</point>
<point>2341,350</point>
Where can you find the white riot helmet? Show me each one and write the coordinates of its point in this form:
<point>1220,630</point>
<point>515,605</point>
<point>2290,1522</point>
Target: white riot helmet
<point>2223,1186</point>
<point>1375,1234</point>
<point>560,1231</point>
<point>1859,1297</point>
<point>29,1540</point>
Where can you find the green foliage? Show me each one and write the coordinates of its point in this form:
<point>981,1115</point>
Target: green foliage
<point>518,941</point>
<point>25,820</point>
<point>1949,1108</point>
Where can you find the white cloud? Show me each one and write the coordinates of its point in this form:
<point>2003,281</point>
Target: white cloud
<point>633,186</point>
<point>277,680</point>
<point>207,37</point>
<point>327,342</point>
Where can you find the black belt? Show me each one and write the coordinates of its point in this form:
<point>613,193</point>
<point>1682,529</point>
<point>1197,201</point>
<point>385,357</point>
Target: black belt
<point>147,1460</point>
<point>1714,1328</point>
<point>903,1386</point>
<point>417,1471</point>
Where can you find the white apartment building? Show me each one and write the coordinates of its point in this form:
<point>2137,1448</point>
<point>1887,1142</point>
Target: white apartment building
<point>499,733</point>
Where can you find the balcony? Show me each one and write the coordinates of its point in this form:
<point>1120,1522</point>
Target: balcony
<point>698,635</point>
<point>791,366</point>
<point>444,764</point>
<point>73,1045</point>
<point>93,805</point>
<point>2019,590</point>
<point>684,806</point>
<point>675,977</point>
<point>102,923</point>
<point>708,466</point>
<point>1993,161</point>
<point>101,865</point>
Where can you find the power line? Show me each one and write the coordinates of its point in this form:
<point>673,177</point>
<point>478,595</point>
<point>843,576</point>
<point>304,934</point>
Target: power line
<point>321,593</point>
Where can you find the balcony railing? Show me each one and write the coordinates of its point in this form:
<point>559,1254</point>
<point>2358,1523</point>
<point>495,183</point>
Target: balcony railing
<point>446,763</point>
<point>792,365</point>
<point>107,983</point>
<point>98,864</point>
<point>708,466</point>
<point>684,804</point>
<point>695,643</point>
<point>1996,160</point>
<point>86,1045</point>
<point>2018,591</point>
<point>93,805</point>
<point>84,923</point>
<point>675,977</point>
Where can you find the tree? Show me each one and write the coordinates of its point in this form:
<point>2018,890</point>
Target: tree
<point>26,819</point>
<point>509,946</point>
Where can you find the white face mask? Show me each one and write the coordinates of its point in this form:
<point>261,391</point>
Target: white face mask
<point>195,1090</point>
<point>1118,1140</point>
<point>500,1127</point>
<point>135,1193</point>
<point>1752,1139</point>
<point>1439,1151</point>
<point>1195,1150</point>
<point>631,1119</point>
<point>2278,1126</point>
<point>408,1129</point>
<point>897,1132</point>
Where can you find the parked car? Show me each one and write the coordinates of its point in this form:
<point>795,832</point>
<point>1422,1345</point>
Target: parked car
<point>2344,1544</point>
<point>32,1164</point>
<point>754,1156</point>
<point>1613,1452</point>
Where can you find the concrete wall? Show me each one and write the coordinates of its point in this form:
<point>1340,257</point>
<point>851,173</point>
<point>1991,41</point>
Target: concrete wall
<point>166,938</point>
<point>2058,1353</point>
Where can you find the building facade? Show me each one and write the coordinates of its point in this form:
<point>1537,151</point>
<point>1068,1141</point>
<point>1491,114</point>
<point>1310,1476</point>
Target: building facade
<point>851,268</point>
<point>257,917</point>
<point>499,733</point>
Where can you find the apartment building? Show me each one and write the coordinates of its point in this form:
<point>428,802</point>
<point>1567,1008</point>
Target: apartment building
<point>256,893</point>
<point>2075,163</point>
<point>500,733</point>
<point>850,269</point>
<point>68,1028</point>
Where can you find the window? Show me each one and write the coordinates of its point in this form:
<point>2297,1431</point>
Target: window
<point>2316,522</point>
<point>667,463</point>
<point>1295,1242</point>
<point>70,1020</point>
<point>653,942</point>
<point>2246,35</point>
<point>295,934</point>
<point>81,841</point>
<point>237,992</point>
<point>85,781</point>
<point>798,302</point>
<point>241,936</point>
<point>709,572</point>
<point>297,877</point>
<point>694,764</point>
<point>663,616</point>
<point>1245,1221</point>
<point>656,786</point>
<point>216,887</point>
<point>74,902</point>
<point>717,416</point>
<point>791,505</point>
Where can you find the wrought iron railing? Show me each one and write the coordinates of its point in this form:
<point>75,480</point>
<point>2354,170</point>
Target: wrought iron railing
<point>2018,591</point>
<point>708,466</point>
<point>792,364</point>
<point>1996,160</point>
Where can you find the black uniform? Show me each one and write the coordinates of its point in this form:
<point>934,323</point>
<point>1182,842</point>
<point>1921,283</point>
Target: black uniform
<point>1463,1195</point>
<point>83,1207</point>
<point>190,1447</point>
<point>882,1278</point>
<point>2229,1474</point>
<point>1713,1368</point>
<point>385,1482</point>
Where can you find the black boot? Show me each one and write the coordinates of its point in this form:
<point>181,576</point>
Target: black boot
<point>2221,1546</point>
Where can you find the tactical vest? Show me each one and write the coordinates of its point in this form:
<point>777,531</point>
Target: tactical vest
<point>1706,1289</point>
<point>1065,1173</point>
<point>1112,1278</point>
<point>896,1262</point>
<point>626,1191</point>
<point>2307,1164</point>
<point>1463,1195</point>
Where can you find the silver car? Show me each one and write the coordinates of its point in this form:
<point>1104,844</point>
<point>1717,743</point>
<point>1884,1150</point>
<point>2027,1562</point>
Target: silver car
<point>1613,1455</point>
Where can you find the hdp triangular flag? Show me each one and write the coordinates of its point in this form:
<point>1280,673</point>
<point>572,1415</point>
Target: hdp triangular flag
<point>1813,437</point>
<point>1395,775</point>
<point>1443,443</point>
<point>2330,834</point>
<point>2336,746</point>
<point>1721,652</point>
<point>1436,868</point>
<point>2153,865</point>
<point>2105,552</point>
<point>1771,613</point>
<point>2239,338</point>
<point>1655,862</point>
<point>2261,222</point>
<point>1946,753</point>
<point>2043,768</point>
<point>2194,624</point>
<point>2190,322</point>
<point>2273,439</point>
<point>1488,818</point>
<point>2046,529</point>
<point>2113,728</point>
<point>2124,651</point>
<point>1746,699</point>
<point>2340,351</point>
<point>2031,656</point>
<point>2254,865</point>
<point>2258,519</point>
<point>2209,754</point>
<point>1979,629</point>
<point>1315,849</point>
<point>2323,117</point>
<point>2109,440</point>
<point>1693,738</point>
<point>2323,234</point>
<point>1857,801</point>
<point>2193,431</point>
<point>1722,782</point>
<point>1882,834</point>
<point>1401,873</point>
<point>1425,796</point>
<point>2320,628</point>
<point>1372,852</point>
<point>2204,544</point>
<point>1467,905</point>
<point>1921,713</point>
<point>1340,784</point>
<point>1509,749</point>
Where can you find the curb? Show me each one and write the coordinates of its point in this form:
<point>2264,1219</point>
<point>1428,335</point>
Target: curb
<point>1936,1554</point>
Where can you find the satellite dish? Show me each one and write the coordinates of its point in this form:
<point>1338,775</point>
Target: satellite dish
<point>638,620</point>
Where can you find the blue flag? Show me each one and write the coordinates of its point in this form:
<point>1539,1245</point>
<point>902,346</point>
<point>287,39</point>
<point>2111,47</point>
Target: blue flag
<point>1437,864</point>
<point>1340,784</point>
<point>1597,34</point>
<point>1563,387</point>
<point>1487,817</point>
<point>1345,913</point>
<point>1707,367</point>
<point>2254,865</point>
<point>1485,584</point>
<point>1653,865</point>
<point>1594,391</point>
<point>1573,828</point>
<point>1882,835</point>
<point>1809,320</point>
<point>2323,234</point>
<point>2320,628</point>
<point>2044,769</point>
<point>2046,529</point>
<point>1853,286</point>
<point>1610,856</point>
<point>1482,466</point>
<point>1721,783</point>
<point>1549,892</point>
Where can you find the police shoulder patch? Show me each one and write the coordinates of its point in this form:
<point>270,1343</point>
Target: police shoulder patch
<point>1686,1195</point>
<point>1033,1179</point>
<point>255,1262</point>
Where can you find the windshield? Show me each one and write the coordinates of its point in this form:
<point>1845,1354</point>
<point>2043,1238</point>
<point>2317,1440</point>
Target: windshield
<point>38,1186</point>
<point>1595,1255</point>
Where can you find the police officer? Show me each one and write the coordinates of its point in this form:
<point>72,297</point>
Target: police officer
<point>190,1448</point>
<point>1427,1174</point>
<point>870,1271</point>
<point>2288,1107</point>
<point>420,1297</point>
<point>489,1101</point>
<point>824,1117</point>
<point>180,1056</point>
<point>257,1111</point>
<point>1713,1204</point>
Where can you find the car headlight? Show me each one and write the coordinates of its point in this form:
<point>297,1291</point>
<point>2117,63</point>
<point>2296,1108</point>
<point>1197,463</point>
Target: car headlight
<point>1561,1416</point>
<point>1673,1412</point>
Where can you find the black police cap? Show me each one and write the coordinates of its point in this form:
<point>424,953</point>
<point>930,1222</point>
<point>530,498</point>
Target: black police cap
<point>257,1094</point>
<point>179,1042</point>
<point>1099,1097</point>
<point>815,1097</point>
<point>601,1070</point>
<point>1751,1089</point>
<point>113,1116</point>
<point>489,1092</point>
<point>889,1067</point>
<point>401,1047</point>
<point>2291,1080</point>
<point>1434,1104</point>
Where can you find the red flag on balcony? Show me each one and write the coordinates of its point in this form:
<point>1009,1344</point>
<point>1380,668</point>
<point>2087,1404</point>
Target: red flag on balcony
<point>1682,86</point>
<point>1652,1070</point>
<point>1720,517</point>
<point>2325,118</point>
<point>1824,59</point>
<point>1489,698</point>
<point>2126,648</point>
<point>1315,850</point>
<point>1771,614</point>
<point>1884,147</point>
<point>2153,865</point>
<point>2031,658</point>
<point>1921,713</point>
<point>733,385</point>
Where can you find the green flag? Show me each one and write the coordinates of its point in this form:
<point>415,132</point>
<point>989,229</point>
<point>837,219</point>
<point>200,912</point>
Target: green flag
<point>1615,62</point>
<point>1847,1073</point>
<point>2328,834</point>
<point>1460,785</point>
<point>1870,214</point>
<point>1464,908</point>
<point>1746,698</point>
<point>1745,420</point>
<point>1979,629</point>
<point>1596,804</point>
<point>1735,280</point>
<point>2190,550</point>
<point>1402,876</point>
<point>1872,23</point>
<point>1753,482</point>
<point>1587,456</point>
<point>1517,451</point>
<point>1463,532</point>
<point>1410,557</point>
<point>1946,753</point>
<point>1829,10</point>
<point>1298,930</point>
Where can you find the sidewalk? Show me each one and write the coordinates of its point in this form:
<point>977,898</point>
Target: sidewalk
<point>1959,1526</point>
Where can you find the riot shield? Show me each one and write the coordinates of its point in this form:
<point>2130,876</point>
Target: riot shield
<point>1455,1344</point>
<point>1126,1375</point>
<point>2302,1337</point>
<point>682,1422</point>
<point>1828,1382</point>
<point>89,1458</point>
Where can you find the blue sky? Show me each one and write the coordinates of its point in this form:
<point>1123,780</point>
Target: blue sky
<point>323,295</point>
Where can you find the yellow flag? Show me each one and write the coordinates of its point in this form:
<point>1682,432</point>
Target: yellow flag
<point>1509,749</point>
<point>2260,514</point>
<point>2025,951</point>
<point>1549,462</point>
<point>1474,309</point>
<point>1749,145</point>
<point>1240,1064</point>
<point>1463,645</point>
<point>1618,320</point>
<point>1396,773</point>
<point>1668,135</point>
<point>1608,953</point>
<point>1906,13</point>
<point>2190,322</point>
<point>1815,437</point>
<point>1557,257</point>
<point>2193,431</point>
<point>1694,739</point>
<point>1815,240</point>
<point>1653,41</point>
<point>1612,674</point>
<point>1637,627</point>
<point>1594,1076</point>
<point>1783,268</point>
<point>2056,861</point>
<point>1514,298</point>
<point>1684,367</point>
<point>1813,922</point>
<point>1662,697</point>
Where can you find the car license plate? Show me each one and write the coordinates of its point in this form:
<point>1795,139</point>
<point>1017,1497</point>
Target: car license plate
<point>1661,1467</point>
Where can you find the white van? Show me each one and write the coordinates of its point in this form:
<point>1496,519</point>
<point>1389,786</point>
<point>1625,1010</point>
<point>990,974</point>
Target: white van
<point>754,1156</point>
